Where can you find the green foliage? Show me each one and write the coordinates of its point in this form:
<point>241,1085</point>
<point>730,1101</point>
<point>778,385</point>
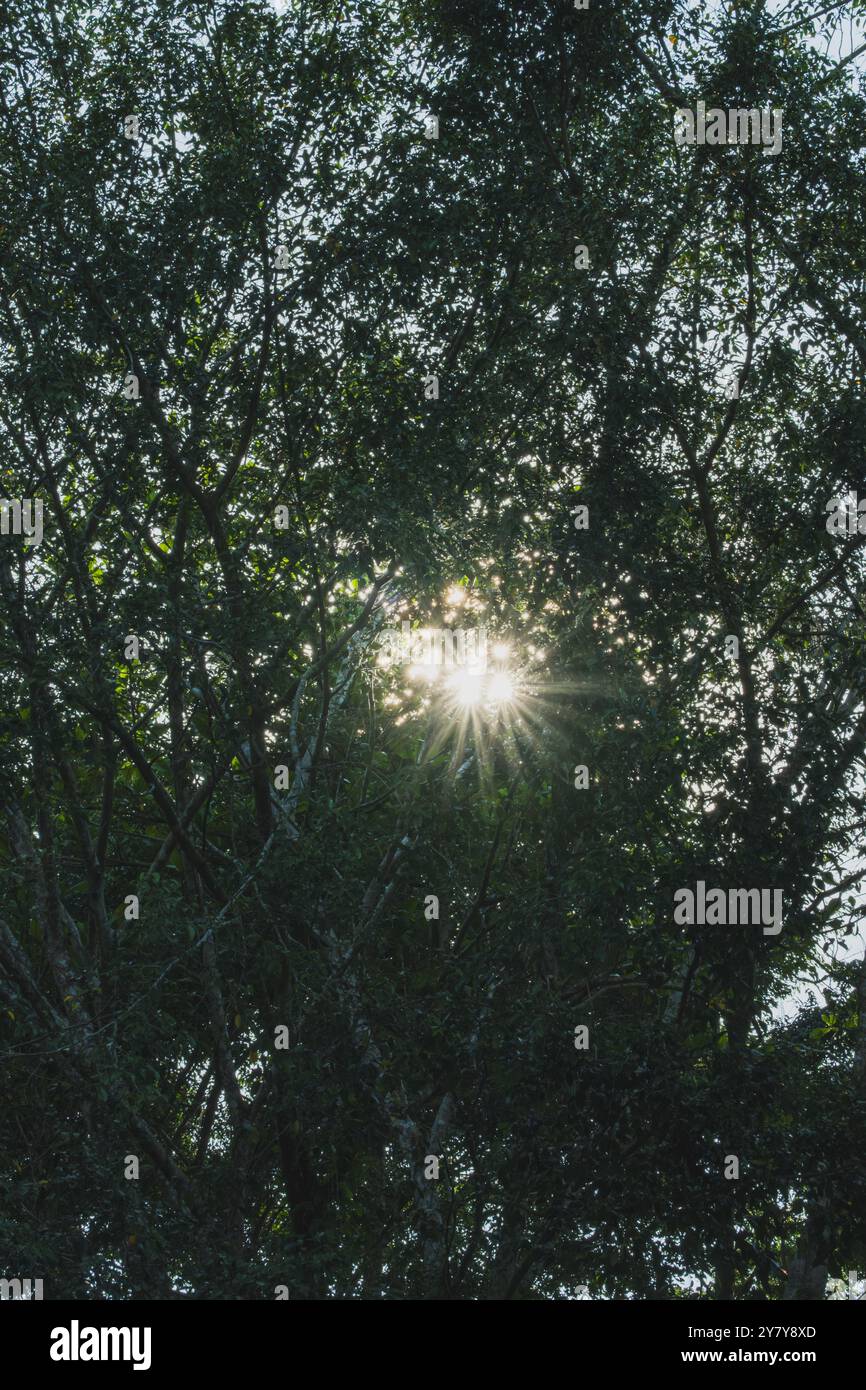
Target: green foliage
<point>154,1034</point>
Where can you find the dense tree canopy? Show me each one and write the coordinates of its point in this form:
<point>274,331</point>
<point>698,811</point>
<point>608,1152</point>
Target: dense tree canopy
<point>286,366</point>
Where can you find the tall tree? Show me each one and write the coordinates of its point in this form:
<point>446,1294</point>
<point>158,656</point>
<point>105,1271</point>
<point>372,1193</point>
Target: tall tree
<point>325,970</point>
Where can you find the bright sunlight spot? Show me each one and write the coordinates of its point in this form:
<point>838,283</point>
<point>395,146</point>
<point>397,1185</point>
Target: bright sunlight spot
<point>468,686</point>
<point>472,688</point>
<point>500,688</point>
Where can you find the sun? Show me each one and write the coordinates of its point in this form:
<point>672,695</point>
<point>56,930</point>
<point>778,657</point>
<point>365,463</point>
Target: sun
<point>473,688</point>
<point>486,710</point>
